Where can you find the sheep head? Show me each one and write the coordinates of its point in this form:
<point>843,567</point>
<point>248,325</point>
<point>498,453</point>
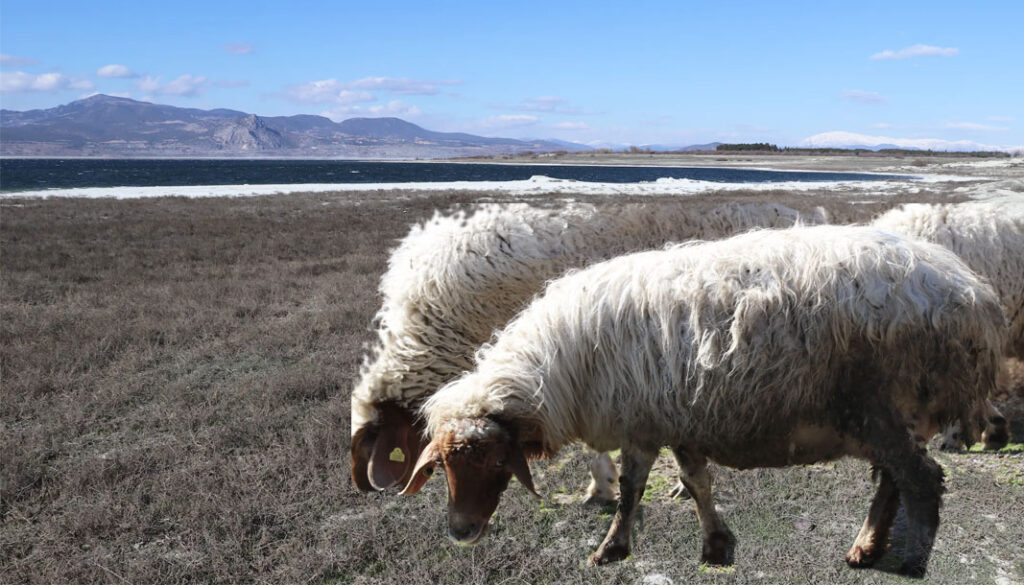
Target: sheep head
<point>479,456</point>
<point>384,451</point>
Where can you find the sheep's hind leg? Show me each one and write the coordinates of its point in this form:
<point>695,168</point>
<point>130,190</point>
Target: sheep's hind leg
<point>601,490</point>
<point>917,477</point>
<point>921,489</point>
<point>873,539</point>
<point>636,466</point>
<point>718,539</point>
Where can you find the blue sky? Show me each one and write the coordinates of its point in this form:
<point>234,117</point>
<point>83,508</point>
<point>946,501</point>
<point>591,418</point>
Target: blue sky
<point>638,72</point>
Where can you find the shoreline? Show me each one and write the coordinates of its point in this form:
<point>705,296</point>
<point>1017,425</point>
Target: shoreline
<point>538,184</point>
<point>975,178</point>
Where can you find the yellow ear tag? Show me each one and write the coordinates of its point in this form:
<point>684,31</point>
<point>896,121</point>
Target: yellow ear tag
<point>397,455</point>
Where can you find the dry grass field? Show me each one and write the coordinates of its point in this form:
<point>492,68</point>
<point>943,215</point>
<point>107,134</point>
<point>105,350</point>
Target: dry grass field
<point>175,409</point>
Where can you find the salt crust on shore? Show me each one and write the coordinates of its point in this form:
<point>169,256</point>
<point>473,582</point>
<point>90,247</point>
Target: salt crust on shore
<point>535,185</point>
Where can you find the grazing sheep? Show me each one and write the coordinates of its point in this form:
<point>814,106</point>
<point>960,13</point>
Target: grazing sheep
<point>771,348</point>
<point>990,239</point>
<point>455,279</point>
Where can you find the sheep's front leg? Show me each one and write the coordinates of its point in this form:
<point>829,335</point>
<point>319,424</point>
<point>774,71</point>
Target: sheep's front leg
<point>636,466</point>
<point>601,490</point>
<point>693,474</point>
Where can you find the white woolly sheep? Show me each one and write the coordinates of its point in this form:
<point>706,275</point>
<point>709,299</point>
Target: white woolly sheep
<point>772,348</point>
<point>456,279</point>
<point>990,239</point>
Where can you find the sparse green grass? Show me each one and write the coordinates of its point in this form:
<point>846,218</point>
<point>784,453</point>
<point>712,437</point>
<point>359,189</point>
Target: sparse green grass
<point>175,377</point>
<point>1009,449</point>
<point>705,569</point>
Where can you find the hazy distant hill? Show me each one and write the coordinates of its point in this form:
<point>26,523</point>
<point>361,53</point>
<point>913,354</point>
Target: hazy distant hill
<point>103,125</point>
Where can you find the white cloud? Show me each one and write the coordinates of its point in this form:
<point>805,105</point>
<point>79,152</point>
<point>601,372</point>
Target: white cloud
<point>402,85</point>
<point>915,51</point>
<point>347,96</point>
<point>341,92</point>
<point>149,84</point>
<point>572,126</point>
<point>230,83</point>
<point>327,91</point>
<point>547,104</point>
<point>974,126</point>
<point>48,81</point>
<point>544,103</point>
<point>508,121</point>
<point>239,48</point>
<point>19,81</point>
<point>393,108</point>
<point>115,71</point>
<point>184,85</point>
<point>862,97</point>
<point>838,139</point>
<point>12,61</point>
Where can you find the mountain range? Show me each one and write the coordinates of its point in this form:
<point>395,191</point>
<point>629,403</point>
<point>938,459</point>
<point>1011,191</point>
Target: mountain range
<point>103,125</point>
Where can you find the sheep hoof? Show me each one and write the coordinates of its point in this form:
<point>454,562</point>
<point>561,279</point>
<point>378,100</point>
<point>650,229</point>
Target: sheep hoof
<point>609,554</point>
<point>997,440</point>
<point>859,558</point>
<point>598,500</point>
<point>679,492</point>
<point>913,569</point>
<point>716,549</point>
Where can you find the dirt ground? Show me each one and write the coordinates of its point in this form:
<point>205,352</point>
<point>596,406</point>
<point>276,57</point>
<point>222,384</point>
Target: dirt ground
<point>175,409</point>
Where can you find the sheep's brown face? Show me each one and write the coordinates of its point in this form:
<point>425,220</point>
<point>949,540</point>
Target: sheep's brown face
<point>479,459</point>
<point>384,453</point>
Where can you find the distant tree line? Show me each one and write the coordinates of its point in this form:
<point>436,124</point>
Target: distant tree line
<point>766,147</point>
<point>756,146</point>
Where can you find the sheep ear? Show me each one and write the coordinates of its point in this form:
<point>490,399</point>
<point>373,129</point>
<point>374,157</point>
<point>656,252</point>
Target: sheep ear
<point>362,447</point>
<point>520,468</point>
<point>423,470</point>
<point>392,455</point>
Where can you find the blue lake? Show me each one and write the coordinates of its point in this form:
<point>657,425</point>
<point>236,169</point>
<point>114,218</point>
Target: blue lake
<point>38,174</point>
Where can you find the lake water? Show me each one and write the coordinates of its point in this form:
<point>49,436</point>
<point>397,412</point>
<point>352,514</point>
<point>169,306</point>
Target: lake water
<point>39,174</point>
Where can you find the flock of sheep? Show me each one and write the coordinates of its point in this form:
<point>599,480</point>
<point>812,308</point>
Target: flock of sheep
<point>750,335</point>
